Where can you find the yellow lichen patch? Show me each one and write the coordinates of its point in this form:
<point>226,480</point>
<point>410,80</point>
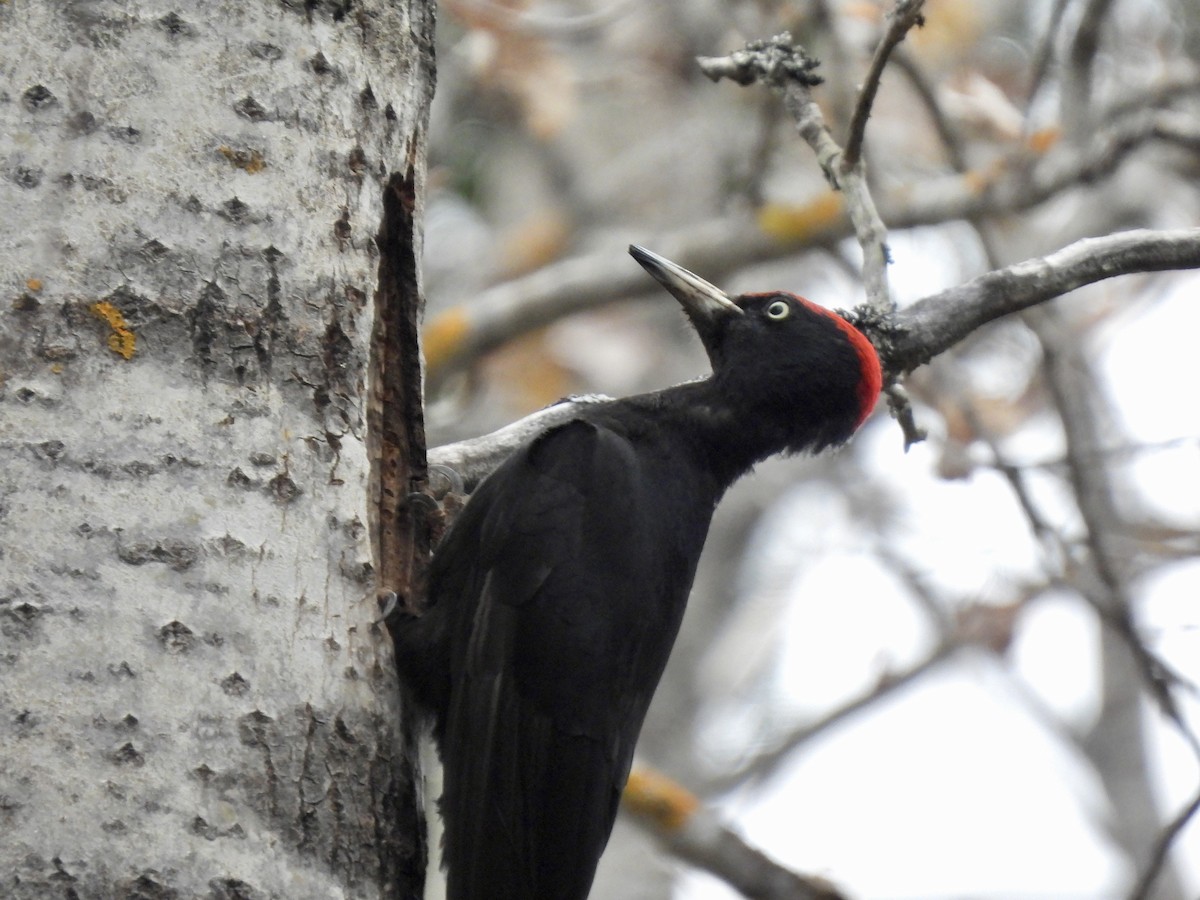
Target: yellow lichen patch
<point>976,182</point>
<point>444,335</point>
<point>532,374</point>
<point>949,31</point>
<point>249,160</point>
<point>33,284</point>
<point>800,223</point>
<point>122,340</point>
<point>656,797</point>
<point>979,181</point>
<point>536,240</point>
<point>1043,139</point>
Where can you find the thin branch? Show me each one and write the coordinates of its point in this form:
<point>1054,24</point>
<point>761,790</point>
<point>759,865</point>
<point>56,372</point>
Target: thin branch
<point>839,85</point>
<point>717,247</point>
<point>937,608</point>
<point>696,834</point>
<point>920,332</point>
<point>1022,180</point>
<point>904,17</point>
<point>788,69</point>
<point>1045,51</point>
<point>473,459</point>
<point>1093,491</point>
<point>523,21</point>
<point>901,408</point>
<point>1158,853</point>
<point>1179,129</point>
<point>852,182</point>
<point>1051,541</point>
<point>768,760</point>
<point>467,330</point>
<point>933,325</point>
<point>774,62</point>
<point>1106,584</point>
<point>1178,81</point>
<point>947,134</point>
<point>1077,88</point>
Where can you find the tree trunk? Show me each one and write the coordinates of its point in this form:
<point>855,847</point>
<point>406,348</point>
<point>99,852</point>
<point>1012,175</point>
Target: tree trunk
<point>194,700</point>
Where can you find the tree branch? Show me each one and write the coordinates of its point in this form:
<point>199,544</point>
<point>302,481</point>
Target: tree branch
<point>495,316</point>
<point>1045,51</point>
<point>716,247</point>
<point>904,16</point>
<point>1107,577</point>
<point>917,334</point>
<point>1077,87</point>
<point>787,69</point>
<point>936,323</point>
<point>1158,853</point>
<point>696,834</point>
<point>473,459</point>
<point>947,134</point>
<point>851,180</point>
<point>768,760</point>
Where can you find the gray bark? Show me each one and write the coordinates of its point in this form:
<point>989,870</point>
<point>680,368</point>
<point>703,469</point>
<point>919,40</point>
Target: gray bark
<point>193,698</point>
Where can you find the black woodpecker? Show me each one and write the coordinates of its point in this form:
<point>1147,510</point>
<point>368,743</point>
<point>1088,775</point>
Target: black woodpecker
<point>555,597</point>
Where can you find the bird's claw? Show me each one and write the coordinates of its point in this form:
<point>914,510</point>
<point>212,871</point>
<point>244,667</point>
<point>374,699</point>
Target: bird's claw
<point>389,602</point>
<point>420,498</point>
<point>454,482</point>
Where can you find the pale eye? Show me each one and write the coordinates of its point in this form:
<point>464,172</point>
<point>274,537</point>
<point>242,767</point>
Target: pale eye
<point>779,309</point>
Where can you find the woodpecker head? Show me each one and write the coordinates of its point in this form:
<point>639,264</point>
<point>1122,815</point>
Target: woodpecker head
<point>783,356</point>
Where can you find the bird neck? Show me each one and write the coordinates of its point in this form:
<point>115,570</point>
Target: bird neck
<point>728,435</point>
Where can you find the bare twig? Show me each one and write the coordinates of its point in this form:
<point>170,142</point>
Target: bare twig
<point>840,84</point>
<point>768,760</point>
<point>1178,81</point>
<point>473,459</point>
<point>904,16</point>
<point>774,61</point>
<point>1158,853</point>
<point>524,21</point>
<point>901,409</point>
<point>696,834</point>
<point>789,70</point>
<point>1106,587</point>
<point>1045,51</point>
<point>1077,88</point>
<point>935,606</point>
<point>936,323</point>
<point>718,246</point>
<point>924,330</point>
<point>1022,181</point>
<point>1051,541</point>
<point>1179,129</point>
<point>946,132</point>
<point>1094,497</point>
<point>852,182</point>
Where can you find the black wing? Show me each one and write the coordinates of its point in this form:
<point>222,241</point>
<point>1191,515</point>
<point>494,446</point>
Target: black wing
<point>559,590</point>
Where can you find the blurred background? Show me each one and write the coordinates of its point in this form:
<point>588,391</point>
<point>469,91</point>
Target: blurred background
<point>965,670</point>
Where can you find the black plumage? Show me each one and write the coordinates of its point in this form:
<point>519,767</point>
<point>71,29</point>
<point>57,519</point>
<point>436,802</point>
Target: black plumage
<point>555,597</point>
